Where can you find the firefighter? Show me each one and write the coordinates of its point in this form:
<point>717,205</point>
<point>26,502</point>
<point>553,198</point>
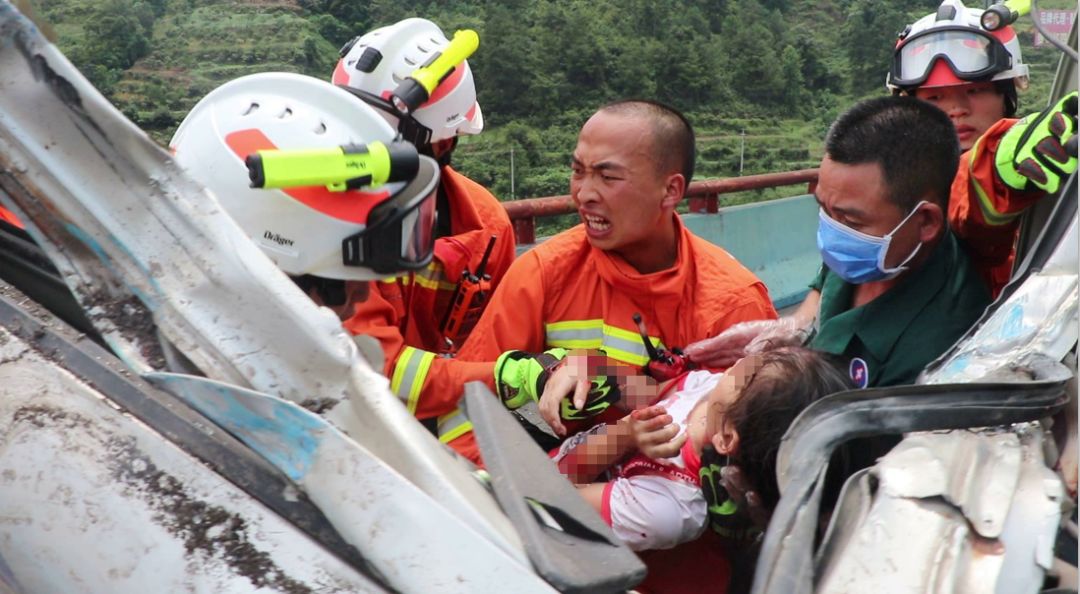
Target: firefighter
<point>631,255</point>
<point>419,316</point>
<point>948,59</point>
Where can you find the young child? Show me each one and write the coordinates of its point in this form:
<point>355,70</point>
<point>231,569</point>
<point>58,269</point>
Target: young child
<point>649,461</point>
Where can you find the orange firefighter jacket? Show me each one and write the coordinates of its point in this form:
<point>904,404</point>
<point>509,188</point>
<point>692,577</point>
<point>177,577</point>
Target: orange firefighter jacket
<point>404,313</point>
<point>565,293</point>
<point>984,212</point>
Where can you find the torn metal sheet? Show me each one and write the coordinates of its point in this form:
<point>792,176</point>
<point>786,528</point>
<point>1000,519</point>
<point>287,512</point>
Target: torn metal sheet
<point>137,241</point>
<point>958,511</point>
<point>1038,319</point>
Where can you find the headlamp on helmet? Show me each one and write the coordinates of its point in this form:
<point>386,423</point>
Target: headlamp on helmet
<point>312,135</point>
<point>950,47</point>
<point>376,65</point>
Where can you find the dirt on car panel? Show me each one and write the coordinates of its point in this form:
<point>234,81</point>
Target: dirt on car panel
<point>320,405</point>
<point>211,529</point>
<point>134,322</point>
<point>206,530</point>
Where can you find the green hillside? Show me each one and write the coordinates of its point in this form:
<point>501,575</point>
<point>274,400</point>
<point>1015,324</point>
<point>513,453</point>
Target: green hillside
<point>760,78</point>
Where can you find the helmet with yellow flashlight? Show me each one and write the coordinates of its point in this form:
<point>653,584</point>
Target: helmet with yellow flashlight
<point>417,78</point>
<point>335,195</point>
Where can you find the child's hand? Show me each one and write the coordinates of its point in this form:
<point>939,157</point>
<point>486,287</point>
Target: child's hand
<point>654,433</point>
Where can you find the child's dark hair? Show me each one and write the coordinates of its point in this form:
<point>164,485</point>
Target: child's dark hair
<point>786,382</point>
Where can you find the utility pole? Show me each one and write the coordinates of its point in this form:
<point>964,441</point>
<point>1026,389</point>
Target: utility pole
<point>512,196</point>
<point>742,149</point>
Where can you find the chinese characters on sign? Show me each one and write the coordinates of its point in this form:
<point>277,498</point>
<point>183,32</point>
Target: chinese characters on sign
<point>1057,23</point>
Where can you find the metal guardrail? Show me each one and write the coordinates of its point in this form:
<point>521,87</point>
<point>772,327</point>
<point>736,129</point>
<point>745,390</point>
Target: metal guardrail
<point>704,197</point>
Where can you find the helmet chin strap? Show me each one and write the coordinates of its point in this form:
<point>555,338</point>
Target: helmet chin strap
<point>444,157</point>
<point>330,291</point>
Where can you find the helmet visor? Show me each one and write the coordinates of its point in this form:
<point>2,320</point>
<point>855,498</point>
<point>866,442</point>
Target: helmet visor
<point>971,54</point>
<point>400,234</point>
<point>418,232</point>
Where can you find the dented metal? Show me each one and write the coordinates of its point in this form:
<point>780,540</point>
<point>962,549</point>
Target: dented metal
<point>957,511</point>
<point>94,501</point>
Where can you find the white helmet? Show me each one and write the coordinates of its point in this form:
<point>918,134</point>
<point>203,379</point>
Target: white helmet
<point>374,64</point>
<point>357,234</point>
<point>950,47</point>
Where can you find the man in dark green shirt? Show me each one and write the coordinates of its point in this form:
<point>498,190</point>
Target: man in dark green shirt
<point>895,290</point>
<point>891,338</point>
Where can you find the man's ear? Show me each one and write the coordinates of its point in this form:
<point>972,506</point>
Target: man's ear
<point>726,441</point>
<point>674,190</point>
<point>931,221</point>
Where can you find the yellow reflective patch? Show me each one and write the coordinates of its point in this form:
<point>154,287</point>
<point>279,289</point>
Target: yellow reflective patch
<point>990,213</point>
<point>456,432</point>
<point>399,369</point>
<point>410,372</point>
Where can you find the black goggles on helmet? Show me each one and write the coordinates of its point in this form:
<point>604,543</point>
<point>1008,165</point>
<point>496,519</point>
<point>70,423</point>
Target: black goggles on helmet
<point>408,128</point>
<point>972,54</point>
<point>400,231</point>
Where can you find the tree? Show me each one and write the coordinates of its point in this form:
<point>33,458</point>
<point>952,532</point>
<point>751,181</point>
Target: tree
<point>795,94</point>
<point>870,34</point>
<point>754,58</point>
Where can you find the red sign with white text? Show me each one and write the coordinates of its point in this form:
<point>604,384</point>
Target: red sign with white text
<point>1057,23</point>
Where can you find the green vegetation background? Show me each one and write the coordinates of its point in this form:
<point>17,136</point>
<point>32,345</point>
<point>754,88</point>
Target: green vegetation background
<point>760,79</point>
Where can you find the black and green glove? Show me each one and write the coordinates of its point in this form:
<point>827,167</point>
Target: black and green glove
<point>603,392</point>
<point>520,377</point>
<point>1032,154</point>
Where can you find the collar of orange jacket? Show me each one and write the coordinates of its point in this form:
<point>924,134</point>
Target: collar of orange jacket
<point>618,272</point>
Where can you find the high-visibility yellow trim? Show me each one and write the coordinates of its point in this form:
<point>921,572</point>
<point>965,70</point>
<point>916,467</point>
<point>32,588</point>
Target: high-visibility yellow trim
<point>575,325</point>
<point>625,334</point>
<point>626,357</point>
<point>430,277</point>
<point>453,425</point>
<point>620,344</point>
<point>399,369</point>
<point>434,285</point>
<point>990,213</point>
<point>409,375</point>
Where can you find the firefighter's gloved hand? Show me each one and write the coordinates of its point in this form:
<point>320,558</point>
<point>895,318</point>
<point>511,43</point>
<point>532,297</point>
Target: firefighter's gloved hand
<point>520,377</point>
<point>724,349</point>
<point>1032,154</point>
<point>578,390</point>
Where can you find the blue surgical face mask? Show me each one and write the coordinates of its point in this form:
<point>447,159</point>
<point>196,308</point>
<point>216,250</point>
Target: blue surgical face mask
<point>857,257</point>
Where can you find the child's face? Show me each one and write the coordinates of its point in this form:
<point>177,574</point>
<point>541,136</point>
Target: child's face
<point>727,390</point>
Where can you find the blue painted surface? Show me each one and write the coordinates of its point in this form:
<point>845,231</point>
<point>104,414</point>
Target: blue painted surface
<point>776,240</point>
<point>287,435</point>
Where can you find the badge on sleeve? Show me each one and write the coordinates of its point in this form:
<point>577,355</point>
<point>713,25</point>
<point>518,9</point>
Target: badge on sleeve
<point>859,372</point>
